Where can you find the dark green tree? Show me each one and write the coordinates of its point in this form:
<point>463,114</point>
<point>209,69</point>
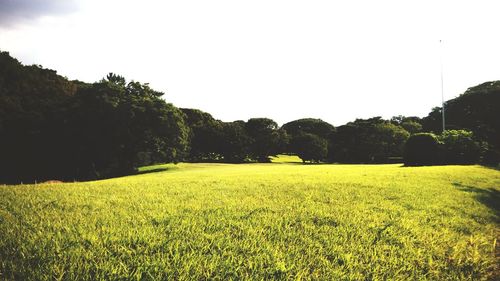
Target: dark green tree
<point>236,142</point>
<point>411,124</point>
<point>310,147</point>
<point>299,128</point>
<point>52,128</point>
<point>119,126</point>
<point>205,136</point>
<point>32,108</point>
<point>422,149</point>
<point>371,140</point>
<point>476,110</point>
<point>266,138</point>
<point>460,147</point>
<point>317,127</point>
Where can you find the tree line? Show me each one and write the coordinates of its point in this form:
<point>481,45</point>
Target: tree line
<point>53,128</point>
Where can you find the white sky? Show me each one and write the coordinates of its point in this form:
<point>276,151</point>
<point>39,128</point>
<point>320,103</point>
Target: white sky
<point>334,60</point>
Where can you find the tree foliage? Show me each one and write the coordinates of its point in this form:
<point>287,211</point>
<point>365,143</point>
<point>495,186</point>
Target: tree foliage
<point>476,110</point>
<point>235,142</point>
<point>52,128</point>
<point>460,147</point>
<point>266,138</point>
<point>310,147</point>
<point>205,138</point>
<point>313,126</point>
<point>119,126</point>
<point>213,140</point>
<point>371,140</point>
<point>422,149</point>
<point>312,133</point>
<point>412,124</point>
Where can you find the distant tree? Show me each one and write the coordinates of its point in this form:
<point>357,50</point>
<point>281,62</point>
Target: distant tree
<point>266,138</point>
<point>205,136</point>
<point>422,149</point>
<point>343,145</point>
<point>307,126</point>
<point>476,110</point>
<point>317,127</point>
<point>32,108</point>
<point>411,124</point>
<point>388,141</point>
<point>412,127</point>
<point>310,147</point>
<point>52,128</point>
<point>115,79</point>
<point>118,127</point>
<point>236,142</point>
<point>371,140</point>
<point>460,147</point>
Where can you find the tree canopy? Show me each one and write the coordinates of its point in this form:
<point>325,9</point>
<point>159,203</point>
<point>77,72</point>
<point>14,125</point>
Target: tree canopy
<point>422,149</point>
<point>310,147</point>
<point>476,110</point>
<point>53,128</point>
<point>313,126</point>
<point>371,140</point>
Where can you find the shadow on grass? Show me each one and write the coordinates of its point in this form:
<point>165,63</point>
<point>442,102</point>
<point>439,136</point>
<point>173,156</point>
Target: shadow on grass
<point>495,168</point>
<point>490,197</point>
<point>151,171</point>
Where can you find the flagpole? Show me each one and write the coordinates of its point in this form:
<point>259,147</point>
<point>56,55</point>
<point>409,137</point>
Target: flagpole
<point>442,83</point>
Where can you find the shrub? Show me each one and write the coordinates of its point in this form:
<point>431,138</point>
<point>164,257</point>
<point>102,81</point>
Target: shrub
<point>422,149</point>
<point>459,147</point>
<point>490,156</point>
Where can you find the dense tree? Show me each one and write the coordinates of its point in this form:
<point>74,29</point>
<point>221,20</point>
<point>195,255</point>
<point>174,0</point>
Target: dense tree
<point>371,140</point>
<point>266,138</point>
<point>119,126</point>
<point>422,149</point>
<point>205,136</point>
<point>235,142</point>
<point>476,110</point>
<point>310,147</point>
<point>451,147</point>
<point>412,124</point>
<point>52,128</point>
<point>32,106</point>
<point>307,126</point>
<point>313,126</point>
<point>460,147</point>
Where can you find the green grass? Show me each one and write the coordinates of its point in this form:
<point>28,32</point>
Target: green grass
<point>257,221</point>
<point>283,158</point>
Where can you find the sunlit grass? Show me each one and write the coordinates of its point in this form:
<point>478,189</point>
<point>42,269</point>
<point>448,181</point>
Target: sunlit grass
<point>283,158</point>
<point>256,221</point>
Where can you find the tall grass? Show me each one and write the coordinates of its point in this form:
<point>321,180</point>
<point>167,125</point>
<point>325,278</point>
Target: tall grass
<point>257,221</point>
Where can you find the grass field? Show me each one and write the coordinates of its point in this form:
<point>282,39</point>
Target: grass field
<point>257,221</point>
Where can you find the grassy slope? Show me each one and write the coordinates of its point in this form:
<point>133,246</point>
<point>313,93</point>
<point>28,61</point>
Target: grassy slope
<point>256,221</point>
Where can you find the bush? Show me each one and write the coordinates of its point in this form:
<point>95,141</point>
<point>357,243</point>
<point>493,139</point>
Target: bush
<point>490,157</point>
<point>459,147</point>
<point>422,149</point>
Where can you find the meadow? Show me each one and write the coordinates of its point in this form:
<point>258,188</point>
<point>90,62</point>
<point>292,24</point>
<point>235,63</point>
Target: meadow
<point>280,220</point>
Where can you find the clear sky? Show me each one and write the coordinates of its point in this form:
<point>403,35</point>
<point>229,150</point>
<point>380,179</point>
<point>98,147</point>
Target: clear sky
<point>334,60</point>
